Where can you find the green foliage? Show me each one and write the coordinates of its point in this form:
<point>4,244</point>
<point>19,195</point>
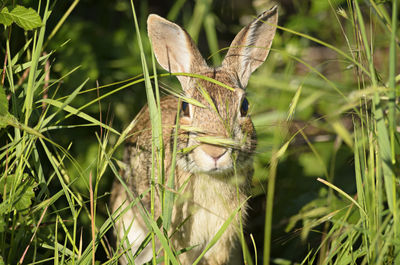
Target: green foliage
<point>23,194</point>
<point>26,18</point>
<point>3,102</point>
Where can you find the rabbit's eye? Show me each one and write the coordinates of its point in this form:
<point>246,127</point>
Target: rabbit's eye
<point>244,107</point>
<point>185,109</point>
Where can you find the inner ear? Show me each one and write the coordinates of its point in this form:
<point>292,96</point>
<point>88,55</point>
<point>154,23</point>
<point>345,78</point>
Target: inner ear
<point>251,45</point>
<point>174,49</point>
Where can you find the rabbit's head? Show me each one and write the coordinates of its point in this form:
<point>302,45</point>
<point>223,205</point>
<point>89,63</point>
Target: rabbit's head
<point>221,135</point>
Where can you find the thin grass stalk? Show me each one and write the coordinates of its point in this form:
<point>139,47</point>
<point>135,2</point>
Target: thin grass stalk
<point>157,147</point>
<point>21,260</point>
<point>330,46</point>
<point>159,138</point>
<point>255,250</point>
<point>392,80</point>
<point>219,233</point>
<point>151,224</point>
<point>372,176</point>
<point>211,33</point>
<point>392,114</point>
<point>63,253</point>
<point>9,71</point>
<point>92,213</point>
<point>242,241</point>
<point>17,132</point>
<point>316,153</point>
<point>102,165</point>
<point>174,11</point>
<point>269,208</point>
<point>379,119</point>
<point>61,21</point>
<point>169,196</point>
<point>160,158</point>
<point>381,13</point>
<point>383,154</point>
<point>56,258</point>
<point>358,169</point>
<point>200,11</point>
<point>35,60</point>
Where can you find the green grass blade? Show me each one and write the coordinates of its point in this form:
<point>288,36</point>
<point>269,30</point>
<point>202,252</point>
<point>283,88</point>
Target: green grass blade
<point>293,104</point>
<point>78,113</point>
<point>44,122</point>
<point>157,146</point>
<point>211,33</point>
<point>200,10</point>
<point>169,195</point>
<point>332,47</point>
<point>392,119</point>
<point>21,67</point>
<point>342,193</point>
<point>392,80</point>
<point>33,71</point>
<point>175,9</point>
<point>382,132</point>
<point>220,232</point>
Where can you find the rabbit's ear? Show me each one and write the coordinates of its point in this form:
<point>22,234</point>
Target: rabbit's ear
<point>251,45</point>
<point>173,47</point>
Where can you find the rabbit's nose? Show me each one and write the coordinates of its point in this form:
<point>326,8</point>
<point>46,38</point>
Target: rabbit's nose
<point>213,150</point>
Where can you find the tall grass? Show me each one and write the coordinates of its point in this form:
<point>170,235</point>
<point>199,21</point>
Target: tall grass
<point>33,228</point>
<point>365,230</point>
<point>42,209</point>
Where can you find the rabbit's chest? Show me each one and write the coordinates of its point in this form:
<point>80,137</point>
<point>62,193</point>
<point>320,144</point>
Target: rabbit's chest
<point>210,204</point>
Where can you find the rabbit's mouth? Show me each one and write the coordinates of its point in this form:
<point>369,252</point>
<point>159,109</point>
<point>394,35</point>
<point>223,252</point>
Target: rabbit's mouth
<point>212,159</point>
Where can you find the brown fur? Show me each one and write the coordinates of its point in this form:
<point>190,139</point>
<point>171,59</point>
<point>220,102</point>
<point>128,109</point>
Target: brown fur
<point>217,177</point>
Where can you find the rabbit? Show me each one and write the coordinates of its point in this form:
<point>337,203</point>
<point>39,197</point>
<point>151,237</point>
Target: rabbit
<point>214,178</point>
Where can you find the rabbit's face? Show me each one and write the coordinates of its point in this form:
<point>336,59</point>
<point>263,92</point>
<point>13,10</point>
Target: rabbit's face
<point>221,134</point>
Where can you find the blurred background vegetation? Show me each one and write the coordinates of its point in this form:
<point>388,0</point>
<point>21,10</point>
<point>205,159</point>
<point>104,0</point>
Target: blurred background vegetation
<point>99,37</point>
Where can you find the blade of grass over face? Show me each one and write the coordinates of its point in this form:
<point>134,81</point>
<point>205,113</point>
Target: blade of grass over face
<point>206,78</point>
<point>208,99</point>
<point>219,141</point>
